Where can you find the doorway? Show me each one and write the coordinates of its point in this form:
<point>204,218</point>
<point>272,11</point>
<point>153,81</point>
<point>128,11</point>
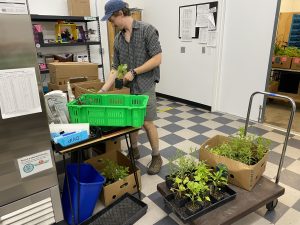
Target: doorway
<point>284,77</point>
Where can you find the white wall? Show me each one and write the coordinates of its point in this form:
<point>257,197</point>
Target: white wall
<point>290,6</point>
<point>190,75</point>
<point>248,30</point>
<point>48,7</point>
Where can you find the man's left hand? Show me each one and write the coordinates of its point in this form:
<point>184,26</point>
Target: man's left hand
<point>128,77</point>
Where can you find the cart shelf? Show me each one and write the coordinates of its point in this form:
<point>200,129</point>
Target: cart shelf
<point>264,192</point>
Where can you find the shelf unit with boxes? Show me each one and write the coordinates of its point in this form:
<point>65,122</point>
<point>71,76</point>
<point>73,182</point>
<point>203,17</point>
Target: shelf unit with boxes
<point>85,23</point>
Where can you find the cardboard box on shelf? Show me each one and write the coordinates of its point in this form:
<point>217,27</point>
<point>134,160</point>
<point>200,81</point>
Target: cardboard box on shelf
<point>94,86</point>
<point>108,147</point>
<point>295,63</point>
<point>240,174</point>
<point>62,72</point>
<point>282,62</point>
<point>79,7</point>
<point>273,86</point>
<point>112,192</point>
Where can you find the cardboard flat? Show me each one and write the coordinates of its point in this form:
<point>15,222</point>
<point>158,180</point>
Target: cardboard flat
<point>79,8</point>
<point>112,192</point>
<point>95,86</point>
<point>62,72</point>
<point>63,87</point>
<point>240,174</point>
<point>282,62</point>
<point>295,63</point>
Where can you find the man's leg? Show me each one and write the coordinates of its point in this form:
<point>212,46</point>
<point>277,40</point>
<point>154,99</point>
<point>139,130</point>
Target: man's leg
<point>134,141</point>
<point>152,134</point>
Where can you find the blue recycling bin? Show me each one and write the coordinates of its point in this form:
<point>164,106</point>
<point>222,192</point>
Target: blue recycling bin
<point>90,185</point>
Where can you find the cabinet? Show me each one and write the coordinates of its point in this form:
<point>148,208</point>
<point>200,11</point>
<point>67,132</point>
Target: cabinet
<point>49,41</point>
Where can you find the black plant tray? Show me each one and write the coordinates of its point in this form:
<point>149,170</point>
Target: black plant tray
<point>181,212</point>
<point>125,211</point>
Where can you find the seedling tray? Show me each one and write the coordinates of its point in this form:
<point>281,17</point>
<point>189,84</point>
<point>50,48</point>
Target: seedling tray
<point>124,211</point>
<point>181,211</point>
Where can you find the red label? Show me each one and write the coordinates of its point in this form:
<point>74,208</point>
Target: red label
<point>283,59</point>
<point>273,59</point>
<point>297,60</point>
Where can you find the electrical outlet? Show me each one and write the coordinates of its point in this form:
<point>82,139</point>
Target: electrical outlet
<point>182,49</point>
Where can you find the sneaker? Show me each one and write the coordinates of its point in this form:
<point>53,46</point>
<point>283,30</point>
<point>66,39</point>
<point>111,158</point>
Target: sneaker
<point>136,153</point>
<point>155,165</point>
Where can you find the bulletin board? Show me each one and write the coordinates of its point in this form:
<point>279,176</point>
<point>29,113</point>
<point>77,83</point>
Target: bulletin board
<point>195,14</point>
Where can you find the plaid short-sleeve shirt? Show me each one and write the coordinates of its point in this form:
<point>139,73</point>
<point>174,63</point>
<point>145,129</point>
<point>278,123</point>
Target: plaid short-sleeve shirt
<point>143,45</point>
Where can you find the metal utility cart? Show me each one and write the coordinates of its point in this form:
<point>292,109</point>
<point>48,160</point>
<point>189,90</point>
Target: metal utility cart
<point>265,191</point>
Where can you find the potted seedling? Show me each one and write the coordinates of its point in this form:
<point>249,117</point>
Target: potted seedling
<point>180,166</point>
<point>121,71</point>
<point>113,172</point>
<point>202,173</point>
<point>179,190</point>
<point>197,191</point>
<point>218,181</point>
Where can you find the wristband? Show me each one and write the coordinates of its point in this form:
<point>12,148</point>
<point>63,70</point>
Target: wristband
<point>132,71</point>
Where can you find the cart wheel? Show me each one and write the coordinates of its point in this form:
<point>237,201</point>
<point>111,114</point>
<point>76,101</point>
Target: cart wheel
<point>272,205</point>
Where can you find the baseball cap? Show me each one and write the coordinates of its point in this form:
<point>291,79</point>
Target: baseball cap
<point>112,6</point>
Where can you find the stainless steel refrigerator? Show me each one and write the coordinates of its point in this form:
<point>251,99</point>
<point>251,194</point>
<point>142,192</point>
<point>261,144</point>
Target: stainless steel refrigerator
<point>29,192</point>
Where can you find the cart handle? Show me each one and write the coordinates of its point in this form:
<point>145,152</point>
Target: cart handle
<point>293,110</point>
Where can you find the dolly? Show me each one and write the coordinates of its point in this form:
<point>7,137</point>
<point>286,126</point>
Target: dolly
<point>265,192</point>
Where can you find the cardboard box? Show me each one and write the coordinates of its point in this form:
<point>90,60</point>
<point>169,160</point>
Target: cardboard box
<point>94,86</point>
<point>62,72</point>
<point>295,63</point>
<point>63,87</point>
<point>282,62</point>
<point>112,192</point>
<point>240,174</point>
<point>273,86</point>
<point>79,7</point>
<point>110,146</point>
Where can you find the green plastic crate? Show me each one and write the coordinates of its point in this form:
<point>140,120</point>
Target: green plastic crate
<point>109,110</point>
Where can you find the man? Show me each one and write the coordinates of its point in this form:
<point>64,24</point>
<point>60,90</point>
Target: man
<point>137,45</point>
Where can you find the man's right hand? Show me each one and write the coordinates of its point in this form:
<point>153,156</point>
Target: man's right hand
<point>101,91</point>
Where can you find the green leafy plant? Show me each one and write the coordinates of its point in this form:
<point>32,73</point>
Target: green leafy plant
<point>202,173</point>
<point>286,51</point>
<point>218,181</point>
<point>247,149</point>
<point>114,172</point>
<point>180,186</point>
<point>121,71</point>
<point>197,191</point>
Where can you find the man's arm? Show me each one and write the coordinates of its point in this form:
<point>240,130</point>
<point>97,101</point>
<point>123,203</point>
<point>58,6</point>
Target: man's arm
<point>155,61</point>
<point>109,82</point>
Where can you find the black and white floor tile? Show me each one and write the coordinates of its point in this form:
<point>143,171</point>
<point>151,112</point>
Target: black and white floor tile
<point>182,127</point>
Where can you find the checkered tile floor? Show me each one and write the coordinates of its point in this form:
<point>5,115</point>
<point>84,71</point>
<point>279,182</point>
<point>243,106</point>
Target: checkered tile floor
<point>183,127</point>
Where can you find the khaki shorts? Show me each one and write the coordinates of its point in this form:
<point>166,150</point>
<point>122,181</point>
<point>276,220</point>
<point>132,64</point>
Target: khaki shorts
<point>151,113</point>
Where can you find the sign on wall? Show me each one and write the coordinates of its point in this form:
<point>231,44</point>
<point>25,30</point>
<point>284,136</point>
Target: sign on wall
<point>199,21</point>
